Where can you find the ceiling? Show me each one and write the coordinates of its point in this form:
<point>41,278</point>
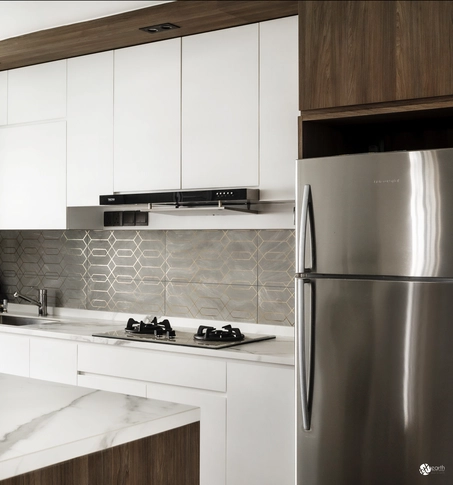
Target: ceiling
<point>23,17</point>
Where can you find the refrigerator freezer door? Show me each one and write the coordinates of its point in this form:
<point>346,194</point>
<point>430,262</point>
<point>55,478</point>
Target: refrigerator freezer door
<point>381,410</point>
<point>380,213</point>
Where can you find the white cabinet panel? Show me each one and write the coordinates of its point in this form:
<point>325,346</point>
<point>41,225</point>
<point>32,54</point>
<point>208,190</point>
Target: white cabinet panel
<point>3,97</point>
<point>33,176</point>
<point>212,427</point>
<point>260,424</point>
<point>14,355</point>
<point>37,93</point>
<point>153,366</point>
<point>220,108</point>
<point>112,384</point>
<point>90,128</point>
<point>147,122</point>
<point>278,107</point>
<point>53,360</point>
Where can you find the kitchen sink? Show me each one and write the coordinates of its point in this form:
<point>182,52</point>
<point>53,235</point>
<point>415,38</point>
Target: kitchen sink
<point>16,320</point>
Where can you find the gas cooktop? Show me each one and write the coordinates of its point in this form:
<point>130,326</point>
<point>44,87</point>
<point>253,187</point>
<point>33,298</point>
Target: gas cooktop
<point>162,332</point>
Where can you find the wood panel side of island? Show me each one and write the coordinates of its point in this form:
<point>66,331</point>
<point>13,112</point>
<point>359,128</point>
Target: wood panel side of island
<point>168,458</point>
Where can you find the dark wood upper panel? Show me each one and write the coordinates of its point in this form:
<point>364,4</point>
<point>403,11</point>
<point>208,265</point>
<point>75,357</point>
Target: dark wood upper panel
<point>424,49</point>
<point>114,32</point>
<point>346,53</point>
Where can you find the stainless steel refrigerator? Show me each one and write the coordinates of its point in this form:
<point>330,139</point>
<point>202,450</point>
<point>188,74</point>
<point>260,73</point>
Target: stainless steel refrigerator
<point>374,319</point>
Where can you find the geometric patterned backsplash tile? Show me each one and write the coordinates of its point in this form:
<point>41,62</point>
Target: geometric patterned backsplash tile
<point>230,275</point>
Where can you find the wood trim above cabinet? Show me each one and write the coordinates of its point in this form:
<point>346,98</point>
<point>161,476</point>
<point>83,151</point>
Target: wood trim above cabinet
<point>117,31</point>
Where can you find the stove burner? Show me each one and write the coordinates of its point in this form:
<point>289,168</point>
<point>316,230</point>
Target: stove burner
<point>229,334</point>
<point>159,329</point>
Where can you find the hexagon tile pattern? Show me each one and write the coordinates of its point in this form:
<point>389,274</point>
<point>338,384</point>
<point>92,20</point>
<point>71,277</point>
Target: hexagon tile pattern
<point>230,275</point>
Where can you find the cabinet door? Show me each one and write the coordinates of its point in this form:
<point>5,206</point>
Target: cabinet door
<point>278,107</point>
<point>220,108</point>
<point>3,97</point>
<point>37,93</point>
<point>53,360</point>
<point>14,355</point>
<point>90,128</point>
<point>424,49</point>
<point>212,426</point>
<point>33,176</point>
<point>260,424</point>
<point>347,53</point>
<point>147,126</point>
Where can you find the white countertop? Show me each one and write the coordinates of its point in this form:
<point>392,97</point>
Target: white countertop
<point>44,423</point>
<point>79,325</point>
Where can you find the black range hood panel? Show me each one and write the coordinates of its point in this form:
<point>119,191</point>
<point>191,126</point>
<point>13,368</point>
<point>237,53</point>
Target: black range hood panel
<point>185,198</point>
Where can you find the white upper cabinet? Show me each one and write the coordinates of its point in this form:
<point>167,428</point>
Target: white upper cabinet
<point>33,176</point>
<point>90,128</point>
<point>278,107</point>
<point>3,97</point>
<point>37,93</point>
<point>147,119</point>
<point>220,108</point>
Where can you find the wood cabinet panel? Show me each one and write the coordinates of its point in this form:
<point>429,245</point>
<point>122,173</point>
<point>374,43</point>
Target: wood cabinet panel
<point>360,52</point>
<point>424,49</point>
<point>347,53</point>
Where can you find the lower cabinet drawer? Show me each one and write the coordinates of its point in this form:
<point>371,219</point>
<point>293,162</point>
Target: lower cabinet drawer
<point>112,384</point>
<point>153,366</point>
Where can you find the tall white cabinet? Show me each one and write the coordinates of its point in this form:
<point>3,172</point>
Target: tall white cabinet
<point>220,109</point>
<point>90,128</point>
<point>3,98</point>
<point>278,107</point>
<point>147,127</point>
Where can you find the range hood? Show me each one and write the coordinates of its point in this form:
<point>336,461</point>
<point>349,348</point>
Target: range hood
<point>199,202</point>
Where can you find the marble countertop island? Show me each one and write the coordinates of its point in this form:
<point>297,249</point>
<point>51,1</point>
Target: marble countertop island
<point>44,423</point>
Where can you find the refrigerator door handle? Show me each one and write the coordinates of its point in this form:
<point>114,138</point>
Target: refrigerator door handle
<point>306,216</point>
<point>303,371</point>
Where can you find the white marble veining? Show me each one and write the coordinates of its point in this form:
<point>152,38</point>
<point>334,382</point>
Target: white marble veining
<point>79,325</point>
<point>43,423</point>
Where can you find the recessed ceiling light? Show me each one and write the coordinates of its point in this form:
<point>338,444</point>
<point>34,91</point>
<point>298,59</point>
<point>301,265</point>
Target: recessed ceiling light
<point>152,29</point>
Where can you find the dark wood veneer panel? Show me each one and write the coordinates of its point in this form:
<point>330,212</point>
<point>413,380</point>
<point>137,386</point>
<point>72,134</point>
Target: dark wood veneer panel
<point>114,32</point>
<point>347,53</point>
<point>424,49</point>
<point>169,458</point>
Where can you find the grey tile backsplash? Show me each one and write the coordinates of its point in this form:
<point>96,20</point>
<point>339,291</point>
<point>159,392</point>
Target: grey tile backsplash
<point>230,275</point>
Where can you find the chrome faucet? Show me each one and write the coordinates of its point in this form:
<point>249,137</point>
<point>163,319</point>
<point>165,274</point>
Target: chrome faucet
<point>41,302</point>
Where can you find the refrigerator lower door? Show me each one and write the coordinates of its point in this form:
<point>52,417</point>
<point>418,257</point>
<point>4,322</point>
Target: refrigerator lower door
<point>381,384</point>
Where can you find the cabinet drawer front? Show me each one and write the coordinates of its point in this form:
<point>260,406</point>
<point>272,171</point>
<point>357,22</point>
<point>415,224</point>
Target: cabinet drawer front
<point>153,366</point>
